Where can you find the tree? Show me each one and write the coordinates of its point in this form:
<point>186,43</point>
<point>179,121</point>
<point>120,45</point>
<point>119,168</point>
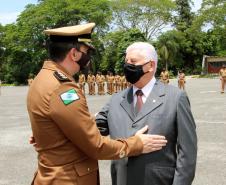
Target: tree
<point>211,19</point>
<point>150,17</point>
<point>184,18</point>
<point>2,49</point>
<point>167,47</point>
<point>115,46</point>
<point>25,38</point>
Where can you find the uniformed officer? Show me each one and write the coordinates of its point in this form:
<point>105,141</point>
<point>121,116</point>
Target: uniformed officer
<point>67,139</point>
<point>123,82</point>
<point>117,83</point>
<point>111,83</point>
<point>91,83</point>
<point>98,82</point>
<point>164,76</point>
<point>181,80</point>
<point>102,84</point>
<point>82,82</point>
<point>222,74</point>
<point>107,81</point>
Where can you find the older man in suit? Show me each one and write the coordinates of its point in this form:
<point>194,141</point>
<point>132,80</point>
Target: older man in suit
<point>165,109</point>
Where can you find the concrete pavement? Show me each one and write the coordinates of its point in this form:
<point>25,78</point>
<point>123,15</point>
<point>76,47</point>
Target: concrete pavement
<point>18,158</point>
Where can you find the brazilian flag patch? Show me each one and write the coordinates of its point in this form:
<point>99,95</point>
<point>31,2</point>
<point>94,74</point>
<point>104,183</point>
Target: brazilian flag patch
<point>69,96</point>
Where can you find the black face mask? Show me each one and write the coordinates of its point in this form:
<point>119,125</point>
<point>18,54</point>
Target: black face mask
<point>133,73</point>
<point>83,61</point>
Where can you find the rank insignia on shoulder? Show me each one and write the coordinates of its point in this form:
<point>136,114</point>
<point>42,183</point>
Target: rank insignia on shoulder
<point>61,77</point>
<point>69,96</point>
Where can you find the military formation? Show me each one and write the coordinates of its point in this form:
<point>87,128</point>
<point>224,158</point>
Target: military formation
<point>118,82</point>
<point>105,83</point>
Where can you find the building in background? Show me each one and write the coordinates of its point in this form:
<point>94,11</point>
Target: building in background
<point>212,64</point>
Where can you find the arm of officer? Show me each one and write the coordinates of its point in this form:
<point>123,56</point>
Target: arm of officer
<point>187,143</point>
<point>102,121</point>
<point>69,110</point>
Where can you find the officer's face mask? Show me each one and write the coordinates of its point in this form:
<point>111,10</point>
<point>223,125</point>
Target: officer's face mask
<point>84,60</point>
<point>133,73</point>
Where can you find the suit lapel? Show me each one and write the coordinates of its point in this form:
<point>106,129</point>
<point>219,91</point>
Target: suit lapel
<point>154,100</point>
<point>127,103</point>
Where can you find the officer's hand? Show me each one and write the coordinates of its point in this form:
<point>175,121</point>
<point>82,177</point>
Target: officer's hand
<point>32,141</point>
<point>151,143</point>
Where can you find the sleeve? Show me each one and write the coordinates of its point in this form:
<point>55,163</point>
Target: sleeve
<point>69,111</point>
<point>102,120</point>
<point>186,144</point>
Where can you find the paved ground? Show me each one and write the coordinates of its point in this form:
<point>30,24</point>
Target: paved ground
<point>18,158</point>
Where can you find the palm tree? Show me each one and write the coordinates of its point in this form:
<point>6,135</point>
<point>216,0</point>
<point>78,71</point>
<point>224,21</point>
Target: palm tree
<point>164,53</point>
<point>167,48</point>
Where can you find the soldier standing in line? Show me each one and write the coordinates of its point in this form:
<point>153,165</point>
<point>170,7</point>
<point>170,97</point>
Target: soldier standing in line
<point>123,82</point>
<point>107,81</point>
<point>98,82</point>
<point>164,76</point>
<point>117,83</point>
<point>82,82</point>
<point>111,83</point>
<point>102,82</point>
<point>181,80</point>
<point>91,83</point>
<point>222,74</point>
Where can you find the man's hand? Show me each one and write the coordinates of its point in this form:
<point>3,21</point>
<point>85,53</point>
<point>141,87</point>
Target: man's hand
<point>151,143</point>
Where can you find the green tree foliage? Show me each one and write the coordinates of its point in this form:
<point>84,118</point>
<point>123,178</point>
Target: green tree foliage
<point>184,18</point>
<point>115,46</point>
<point>212,16</point>
<point>185,50</point>
<point>150,17</point>
<point>25,41</point>
<point>2,49</point>
<point>119,23</point>
<point>168,45</point>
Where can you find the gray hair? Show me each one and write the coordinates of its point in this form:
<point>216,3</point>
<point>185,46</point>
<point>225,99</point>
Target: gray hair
<point>146,50</point>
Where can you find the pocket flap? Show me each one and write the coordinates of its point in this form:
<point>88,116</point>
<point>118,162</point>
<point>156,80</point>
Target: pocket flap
<point>86,166</point>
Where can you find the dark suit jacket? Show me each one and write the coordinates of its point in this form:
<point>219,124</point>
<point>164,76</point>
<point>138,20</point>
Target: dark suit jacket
<point>167,112</point>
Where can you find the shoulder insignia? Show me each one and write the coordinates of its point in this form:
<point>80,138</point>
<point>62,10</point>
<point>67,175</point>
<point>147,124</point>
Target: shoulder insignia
<point>69,96</point>
<point>61,77</point>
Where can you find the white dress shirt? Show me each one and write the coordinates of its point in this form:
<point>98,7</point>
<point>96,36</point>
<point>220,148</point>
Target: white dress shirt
<point>146,91</point>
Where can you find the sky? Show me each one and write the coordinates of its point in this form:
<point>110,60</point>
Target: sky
<point>10,9</point>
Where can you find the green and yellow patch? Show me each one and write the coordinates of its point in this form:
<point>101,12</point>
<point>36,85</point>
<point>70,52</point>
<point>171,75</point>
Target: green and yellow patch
<point>69,96</point>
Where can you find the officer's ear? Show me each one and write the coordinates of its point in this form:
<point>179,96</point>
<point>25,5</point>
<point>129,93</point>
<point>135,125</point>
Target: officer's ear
<point>74,54</point>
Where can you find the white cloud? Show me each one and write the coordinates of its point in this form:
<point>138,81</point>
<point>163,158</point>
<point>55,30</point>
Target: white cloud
<point>8,17</point>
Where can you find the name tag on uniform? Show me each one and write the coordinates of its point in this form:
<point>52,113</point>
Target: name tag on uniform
<point>69,96</point>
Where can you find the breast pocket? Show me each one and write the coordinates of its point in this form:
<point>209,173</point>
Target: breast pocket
<point>156,175</point>
<point>157,123</point>
<point>87,171</point>
<point>161,124</point>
